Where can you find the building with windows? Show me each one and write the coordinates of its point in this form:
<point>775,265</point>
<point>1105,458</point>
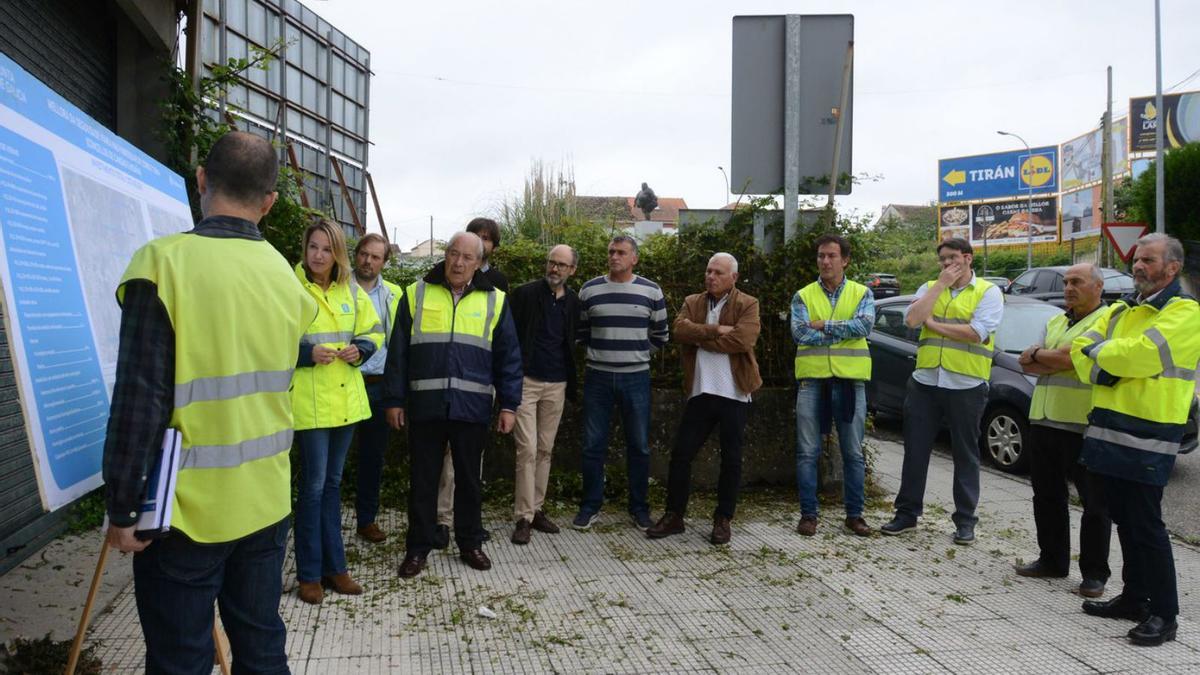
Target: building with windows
<point>314,97</point>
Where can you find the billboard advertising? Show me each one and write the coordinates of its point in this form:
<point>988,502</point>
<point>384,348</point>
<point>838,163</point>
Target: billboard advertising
<point>75,202</point>
<point>1000,174</point>
<point>954,221</point>
<point>1009,221</point>
<point>1080,158</point>
<point>1081,213</point>
<point>1182,113</point>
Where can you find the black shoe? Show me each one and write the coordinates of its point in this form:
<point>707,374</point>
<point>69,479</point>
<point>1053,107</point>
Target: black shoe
<point>1039,569</point>
<point>1154,631</point>
<point>441,538</point>
<point>1117,608</point>
<point>898,525</point>
<point>487,534</point>
<point>1091,588</point>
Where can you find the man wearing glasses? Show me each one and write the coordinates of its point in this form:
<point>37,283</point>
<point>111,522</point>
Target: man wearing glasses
<point>545,312</point>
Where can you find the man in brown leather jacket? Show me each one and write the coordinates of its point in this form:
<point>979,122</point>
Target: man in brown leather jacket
<point>717,330</point>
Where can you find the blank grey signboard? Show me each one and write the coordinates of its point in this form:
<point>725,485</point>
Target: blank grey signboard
<point>760,57</point>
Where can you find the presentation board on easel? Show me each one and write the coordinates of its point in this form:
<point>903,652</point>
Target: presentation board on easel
<point>76,201</point>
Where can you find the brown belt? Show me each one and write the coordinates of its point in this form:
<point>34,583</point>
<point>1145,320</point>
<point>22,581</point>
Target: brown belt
<point>372,379</point>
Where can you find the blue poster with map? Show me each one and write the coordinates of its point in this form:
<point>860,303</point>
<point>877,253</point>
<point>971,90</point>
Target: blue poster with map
<point>76,201</point>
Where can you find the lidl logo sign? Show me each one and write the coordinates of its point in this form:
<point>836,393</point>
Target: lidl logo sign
<point>1001,174</point>
<point>1036,171</point>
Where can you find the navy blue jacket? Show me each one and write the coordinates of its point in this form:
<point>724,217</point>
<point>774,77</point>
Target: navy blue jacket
<point>407,362</point>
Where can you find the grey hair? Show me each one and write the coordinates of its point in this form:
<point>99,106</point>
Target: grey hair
<point>457,235</point>
<point>1094,272</point>
<point>625,239</point>
<point>1173,251</point>
<point>574,253</point>
<point>721,255</point>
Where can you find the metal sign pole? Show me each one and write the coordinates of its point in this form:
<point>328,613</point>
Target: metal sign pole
<point>791,127</point>
<point>841,125</point>
<point>1159,198</point>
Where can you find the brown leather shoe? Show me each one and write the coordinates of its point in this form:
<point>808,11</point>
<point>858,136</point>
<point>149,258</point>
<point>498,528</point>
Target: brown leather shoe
<point>858,526</point>
<point>412,566</point>
<point>372,533</point>
<point>520,535</point>
<point>310,592</point>
<point>807,526</point>
<point>720,531</point>
<point>342,583</point>
<point>477,559</point>
<point>669,524</point>
<point>543,524</point>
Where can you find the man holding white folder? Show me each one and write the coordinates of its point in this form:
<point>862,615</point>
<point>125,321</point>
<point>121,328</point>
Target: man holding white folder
<point>210,327</point>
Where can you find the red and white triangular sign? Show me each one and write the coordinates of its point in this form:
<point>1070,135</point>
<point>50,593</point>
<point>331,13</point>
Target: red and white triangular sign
<point>1124,237</point>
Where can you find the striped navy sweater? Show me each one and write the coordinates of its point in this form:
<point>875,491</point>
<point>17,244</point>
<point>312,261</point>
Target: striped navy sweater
<point>621,324</point>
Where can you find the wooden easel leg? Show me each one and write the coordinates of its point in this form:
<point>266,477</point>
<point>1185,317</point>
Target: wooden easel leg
<point>221,657</point>
<point>77,645</point>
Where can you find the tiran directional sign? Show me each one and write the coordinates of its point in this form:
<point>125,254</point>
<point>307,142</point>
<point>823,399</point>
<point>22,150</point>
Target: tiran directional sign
<point>1000,174</point>
<point>1124,237</point>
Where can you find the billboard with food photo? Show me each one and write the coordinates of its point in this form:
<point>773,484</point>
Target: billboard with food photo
<point>1182,115</point>
<point>1080,158</point>
<point>1081,213</point>
<point>1009,221</point>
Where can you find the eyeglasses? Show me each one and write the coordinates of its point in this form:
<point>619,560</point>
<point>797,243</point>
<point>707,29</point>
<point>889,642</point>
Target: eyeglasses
<point>559,265</point>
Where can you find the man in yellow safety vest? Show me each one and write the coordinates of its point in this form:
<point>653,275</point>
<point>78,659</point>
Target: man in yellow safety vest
<point>1057,418</point>
<point>194,356</point>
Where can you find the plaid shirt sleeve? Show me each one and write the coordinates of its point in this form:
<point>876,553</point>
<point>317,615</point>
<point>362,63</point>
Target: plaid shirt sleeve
<point>860,325</point>
<point>142,402</point>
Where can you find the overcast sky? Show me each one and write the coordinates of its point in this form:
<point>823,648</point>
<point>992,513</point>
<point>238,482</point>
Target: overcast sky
<point>466,94</point>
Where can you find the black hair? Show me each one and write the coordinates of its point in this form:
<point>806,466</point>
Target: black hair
<point>241,167</point>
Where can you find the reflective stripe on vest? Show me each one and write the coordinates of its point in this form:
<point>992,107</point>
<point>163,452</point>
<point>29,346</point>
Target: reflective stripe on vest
<point>847,359</point>
<point>1061,399</point>
<point>421,336</point>
<point>965,358</point>
<point>231,403</point>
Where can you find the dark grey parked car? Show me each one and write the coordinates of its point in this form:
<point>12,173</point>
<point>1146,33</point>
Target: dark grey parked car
<point>1005,423</point>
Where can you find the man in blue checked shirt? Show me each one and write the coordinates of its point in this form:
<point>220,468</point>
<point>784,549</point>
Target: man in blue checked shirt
<point>831,318</point>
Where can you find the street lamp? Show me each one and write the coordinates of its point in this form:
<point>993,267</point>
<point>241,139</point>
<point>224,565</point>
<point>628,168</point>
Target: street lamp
<point>1029,183</point>
<point>722,170</point>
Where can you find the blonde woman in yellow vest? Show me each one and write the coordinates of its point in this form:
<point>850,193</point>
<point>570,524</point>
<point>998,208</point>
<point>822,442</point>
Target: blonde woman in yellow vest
<point>831,318</point>
<point>329,399</point>
<point>958,314</point>
<point>194,356</point>
<point>1057,419</point>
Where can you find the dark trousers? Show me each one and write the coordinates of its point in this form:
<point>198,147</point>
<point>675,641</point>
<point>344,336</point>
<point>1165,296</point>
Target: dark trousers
<point>176,581</point>
<point>373,437</point>
<point>1149,572</point>
<point>1054,459</point>
<point>427,449</point>
<point>925,408</point>
<point>701,414</point>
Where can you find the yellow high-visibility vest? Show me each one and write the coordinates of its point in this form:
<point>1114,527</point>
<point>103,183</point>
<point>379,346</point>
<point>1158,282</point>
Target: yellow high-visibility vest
<point>333,395</point>
<point>848,359</point>
<point>973,359</point>
<point>238,314</point>
<point>1061,399</point>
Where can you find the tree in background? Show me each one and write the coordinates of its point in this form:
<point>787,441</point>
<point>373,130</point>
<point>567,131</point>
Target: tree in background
<point>1181,182</point>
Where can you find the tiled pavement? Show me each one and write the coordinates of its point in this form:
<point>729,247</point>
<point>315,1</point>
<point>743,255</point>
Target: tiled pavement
<point>611,601</point>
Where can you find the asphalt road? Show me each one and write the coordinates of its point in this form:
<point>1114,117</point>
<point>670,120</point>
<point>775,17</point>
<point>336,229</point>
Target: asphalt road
<point>1181,499</point>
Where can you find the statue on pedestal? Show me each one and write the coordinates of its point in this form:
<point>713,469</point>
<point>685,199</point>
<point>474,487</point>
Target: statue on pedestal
<point>646,200</point>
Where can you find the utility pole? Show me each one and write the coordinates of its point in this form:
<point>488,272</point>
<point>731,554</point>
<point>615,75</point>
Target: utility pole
<point>1159,197</point>
<point>1106,193</point>
<point>430,236</point>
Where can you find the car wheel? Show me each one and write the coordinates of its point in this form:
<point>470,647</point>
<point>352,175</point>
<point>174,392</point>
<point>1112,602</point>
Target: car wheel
<point>1003,438</point>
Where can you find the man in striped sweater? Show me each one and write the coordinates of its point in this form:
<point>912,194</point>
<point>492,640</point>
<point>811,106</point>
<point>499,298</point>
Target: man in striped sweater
<point>622,321</point>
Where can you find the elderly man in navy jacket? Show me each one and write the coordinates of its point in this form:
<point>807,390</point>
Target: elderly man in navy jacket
<point>453,347</point>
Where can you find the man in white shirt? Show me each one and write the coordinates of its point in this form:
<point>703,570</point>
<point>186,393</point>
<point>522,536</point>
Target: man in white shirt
<point>717,331</point>
<point>958,314</point>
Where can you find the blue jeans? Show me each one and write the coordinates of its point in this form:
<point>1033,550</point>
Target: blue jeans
<point>601,391</point>
<point>319,549</point>
<point>175,582</point>
<point>808,445</point>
